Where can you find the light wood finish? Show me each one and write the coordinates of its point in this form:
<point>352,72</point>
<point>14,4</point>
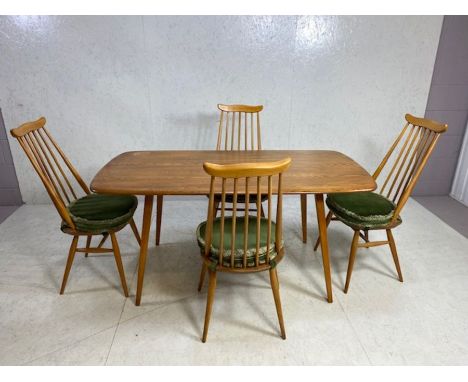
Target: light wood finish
<point>246,170</point>
<point>88,243</point>
<point>238,129</point>
<point>253,175</point>
<point>209,303</point>
<point>181,173</point>
<point>64,185</point>
<point>400,170</point>
<point>304,217</point>
<point>352,256</point>
<point>322,225</point>
<point>159,208</point>
<point>118,262</point>
<point>71,256</point>
<point>104,238</point>
<point>328,219</point>
<point>391,242</point>
<point>51,165</point>
<point>202,277</point>
<point>94,250</point>
<point>276,295</point>
<point>145,231</point>
<point>135,231</point>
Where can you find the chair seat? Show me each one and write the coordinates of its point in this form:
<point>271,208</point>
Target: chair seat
<point>239,244</point>
<point>362,210</point>
<point>98,213</point>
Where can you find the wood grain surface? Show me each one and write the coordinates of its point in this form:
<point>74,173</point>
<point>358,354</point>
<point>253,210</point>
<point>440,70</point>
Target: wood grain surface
<point>181,172</point>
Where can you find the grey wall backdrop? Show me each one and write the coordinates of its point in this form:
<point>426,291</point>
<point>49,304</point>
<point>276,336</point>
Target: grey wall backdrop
<point>113,84</point>
<point>9,189</point>
<point>448,102</point>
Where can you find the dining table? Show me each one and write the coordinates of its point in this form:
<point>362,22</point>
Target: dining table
<point>180,172</point>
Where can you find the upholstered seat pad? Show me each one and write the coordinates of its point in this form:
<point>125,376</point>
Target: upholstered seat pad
<point>240,198</point>
<point>97,213</point>
<point>363,209</point>
<point>239,240</point>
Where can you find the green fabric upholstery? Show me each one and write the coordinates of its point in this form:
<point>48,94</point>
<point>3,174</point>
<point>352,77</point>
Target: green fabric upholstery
<point>239,245</point>
<point>240,198</point>
<point>98,213</point>
<point>362,210</point>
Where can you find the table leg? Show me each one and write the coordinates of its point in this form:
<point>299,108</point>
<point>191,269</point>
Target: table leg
<point>159,207</point>
<point>322,223</point>
<point>304,217</point>
<point>145,231</point>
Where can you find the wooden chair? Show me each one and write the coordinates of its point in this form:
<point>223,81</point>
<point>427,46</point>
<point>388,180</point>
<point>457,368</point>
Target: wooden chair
<point>89,215</point>
<point>366,211</point>
<point>239,129</point>
<point>242,244</point>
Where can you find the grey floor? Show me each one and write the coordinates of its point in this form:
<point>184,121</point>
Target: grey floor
<point>6,211</point>
<point>451,211</point>
<point>379,322</point>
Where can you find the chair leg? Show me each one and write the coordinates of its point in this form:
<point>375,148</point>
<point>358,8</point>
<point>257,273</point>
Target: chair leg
<point>276,296</point>
<point>366,237</point>
<point>118,261</point>
<point>209,302</point>
<point>304,217</point>
<point>71,256</point>
<point>103,240</point>
<point>262,212</point>
<point>135,231</point>
<point>352,256</point>
<point>88,244</point>
<point>159,207</point>
<point>216,207</point>
<point>391,242</point>
<point>328,220</point>
<point>202,277</point>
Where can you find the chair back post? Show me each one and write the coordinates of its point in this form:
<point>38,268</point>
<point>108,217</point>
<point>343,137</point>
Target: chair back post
<point>209,220</point>
<point>412,149</point>
<point>239,175</point>
<point>412,183</point>
<point>236,126</point>
<point>279,215</point>
<point>39,146</point>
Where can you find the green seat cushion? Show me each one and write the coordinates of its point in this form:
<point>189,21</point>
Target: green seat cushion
<point>239,241</point>
<point>99,213</point>
<point>240,198</point>
<point>362,209</point>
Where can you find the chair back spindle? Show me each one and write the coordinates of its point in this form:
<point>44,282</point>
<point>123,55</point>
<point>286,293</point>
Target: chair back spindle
<point>51,164</point>
<point>247,179</point>
<point>239,127</point>
<point>409,154</point>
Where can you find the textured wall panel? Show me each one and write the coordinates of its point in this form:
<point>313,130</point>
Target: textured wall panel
<point>111,84</point>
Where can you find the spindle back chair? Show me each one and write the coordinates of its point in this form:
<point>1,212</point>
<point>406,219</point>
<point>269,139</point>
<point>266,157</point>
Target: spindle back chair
<point>242,244</point>
<point>49,162</point>
<point>411,150</point>
<point>238,129</point>
<point>400,170</point>
<point>64,185</point>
